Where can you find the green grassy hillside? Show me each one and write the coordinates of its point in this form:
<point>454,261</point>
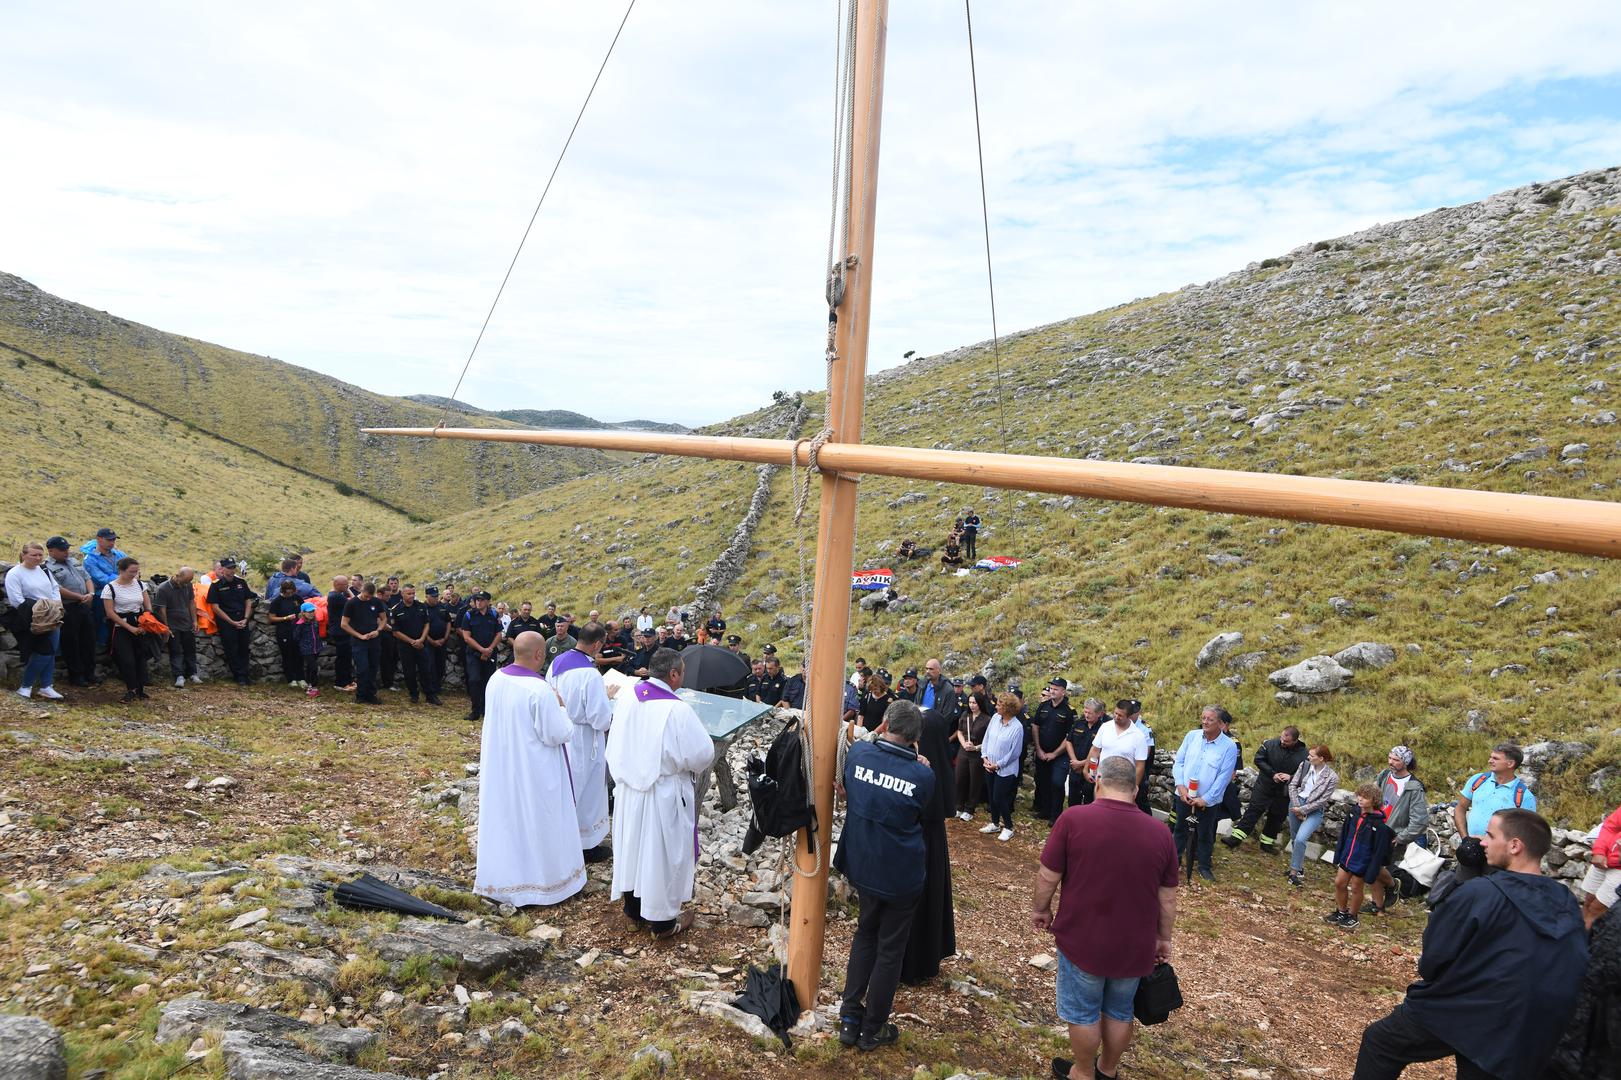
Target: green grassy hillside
<point>80,458</point>
<point>1472,347</point>
<point>315,428</point>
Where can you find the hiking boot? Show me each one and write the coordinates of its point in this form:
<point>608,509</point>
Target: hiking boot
<point>849,1030</point>
<point>1233,840</point>
<point>988,828</point>
<point>888,1035</point>
<point>1204,872</point>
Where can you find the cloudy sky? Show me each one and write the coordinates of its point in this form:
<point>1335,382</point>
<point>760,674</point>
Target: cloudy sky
<point>341,185</point>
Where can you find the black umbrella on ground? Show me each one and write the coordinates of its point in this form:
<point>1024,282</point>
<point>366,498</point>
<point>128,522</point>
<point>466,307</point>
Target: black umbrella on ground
<point>369,894</point>
<point>713,669</point>
<point>769,995</point>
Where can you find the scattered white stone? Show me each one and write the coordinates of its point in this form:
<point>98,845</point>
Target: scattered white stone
<point>587,958</point>
<point>250,918</point>
<point>1042,962</point>
<point>38,969</point>
<point>461,994</point>
<point>546,933</point>
<point>222,783</point>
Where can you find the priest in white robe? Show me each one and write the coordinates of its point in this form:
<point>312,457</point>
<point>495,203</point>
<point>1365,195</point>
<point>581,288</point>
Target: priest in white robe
<point>528,840</point>
<point>656,748</point>
<point>586,699</point>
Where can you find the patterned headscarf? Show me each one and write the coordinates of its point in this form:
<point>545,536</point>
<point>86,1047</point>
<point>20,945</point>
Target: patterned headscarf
<point>1405,754</point>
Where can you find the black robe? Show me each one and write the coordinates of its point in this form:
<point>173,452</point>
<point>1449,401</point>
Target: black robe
<point>934,926</point>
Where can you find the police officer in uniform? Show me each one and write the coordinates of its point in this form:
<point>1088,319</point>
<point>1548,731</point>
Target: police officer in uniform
<point>365,620</point>
<point>1051,725</point>
<point>769,688</point>
<point>481,634</point>
<point>439,623</point>
<point>883,854</point>
<point>408,626</point>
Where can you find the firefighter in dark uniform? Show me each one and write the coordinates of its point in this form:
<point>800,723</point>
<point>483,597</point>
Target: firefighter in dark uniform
<point>481,634</point>
<point>883,854</point>
<point>408,625</point>
<point>389,665</point>
<point>439,623</point>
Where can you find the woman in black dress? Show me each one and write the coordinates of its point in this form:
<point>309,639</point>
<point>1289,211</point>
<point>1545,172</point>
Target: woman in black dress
<point>968,732</point>
<point>934,926</point>
<point>877,698</point>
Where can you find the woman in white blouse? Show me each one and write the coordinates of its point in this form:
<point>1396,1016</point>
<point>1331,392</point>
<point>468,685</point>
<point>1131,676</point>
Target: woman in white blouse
<point>1000,751</point>
<point>26,581</point>
<point>124,599</point>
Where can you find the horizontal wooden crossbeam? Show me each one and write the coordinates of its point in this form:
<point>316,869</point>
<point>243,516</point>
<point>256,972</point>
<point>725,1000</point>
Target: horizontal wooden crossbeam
<point>1578,526</point>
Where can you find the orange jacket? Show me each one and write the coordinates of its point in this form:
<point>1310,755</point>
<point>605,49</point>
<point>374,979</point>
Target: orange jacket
<point>205,614</point>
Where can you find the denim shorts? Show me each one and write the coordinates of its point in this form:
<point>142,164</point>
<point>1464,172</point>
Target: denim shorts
<point>1083,998</point>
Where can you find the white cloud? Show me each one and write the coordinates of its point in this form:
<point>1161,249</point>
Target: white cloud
<point>341,187</point>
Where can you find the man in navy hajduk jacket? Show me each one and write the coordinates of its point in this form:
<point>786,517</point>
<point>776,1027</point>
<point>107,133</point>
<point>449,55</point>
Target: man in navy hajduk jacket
<point>1501,969</point>
<point>882,853</point>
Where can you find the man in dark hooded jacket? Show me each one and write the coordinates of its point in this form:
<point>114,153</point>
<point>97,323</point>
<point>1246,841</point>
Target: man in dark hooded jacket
<point>1500,972</point>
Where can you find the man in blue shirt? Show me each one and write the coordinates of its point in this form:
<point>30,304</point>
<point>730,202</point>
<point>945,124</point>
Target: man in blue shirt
<point>289,572</point>
<point>883,854</point>
<point>1498,788</point>
<point>101,563</point>
<point>1204,767</point>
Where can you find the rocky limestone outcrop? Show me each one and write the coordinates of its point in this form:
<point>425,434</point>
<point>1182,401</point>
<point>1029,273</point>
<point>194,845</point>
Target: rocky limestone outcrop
<point>31,1049</point>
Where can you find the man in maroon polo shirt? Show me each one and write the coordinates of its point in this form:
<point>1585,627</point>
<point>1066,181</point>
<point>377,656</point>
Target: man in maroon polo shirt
<point>1117,866</point>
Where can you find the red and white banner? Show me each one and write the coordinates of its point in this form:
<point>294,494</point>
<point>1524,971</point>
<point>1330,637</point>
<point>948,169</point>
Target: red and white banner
<point>872,579</point>
<point>997,562</point>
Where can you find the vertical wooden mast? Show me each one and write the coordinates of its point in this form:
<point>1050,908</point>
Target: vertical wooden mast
<point>836,525</point>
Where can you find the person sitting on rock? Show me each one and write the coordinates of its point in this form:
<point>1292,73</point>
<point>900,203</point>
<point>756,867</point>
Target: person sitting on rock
<point>907,550</point>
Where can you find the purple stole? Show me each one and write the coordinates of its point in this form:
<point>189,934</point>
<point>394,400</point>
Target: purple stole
<point>570,660</point>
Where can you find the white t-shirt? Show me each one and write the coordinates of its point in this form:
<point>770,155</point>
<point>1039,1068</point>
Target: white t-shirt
<point>1401,785</point>
<point>24,584</point>
<point>1110,742</point>
<point>127,599</point>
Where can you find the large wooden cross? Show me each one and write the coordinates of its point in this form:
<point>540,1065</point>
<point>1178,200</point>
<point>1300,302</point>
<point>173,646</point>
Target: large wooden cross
<point>1574,525</point>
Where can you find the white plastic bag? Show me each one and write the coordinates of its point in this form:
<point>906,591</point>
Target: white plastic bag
<point>1422,863</point>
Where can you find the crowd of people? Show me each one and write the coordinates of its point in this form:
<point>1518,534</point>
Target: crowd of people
<point>1505,953</point>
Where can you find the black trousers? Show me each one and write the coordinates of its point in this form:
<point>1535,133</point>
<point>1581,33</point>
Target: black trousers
<point>343,664</point>
<point>876,952</point>
<point>633,910</point>
<point>1042,802</point>
<point>130,658</point>
<point>1204,831</point>
<point>479,671</point>
<point>1003,790</point>
<point>365,657</point>
<point>312,668</point>
<point>292,661</point>
<point>390,653</point>
<point>970,540</point>
<point>1397,1041</point>
<point>1271,799</point>
<point>437,656</point>
<point>234,644</point>
<point>182,653</point>
<point>418,666</point>
<point>78,643</point>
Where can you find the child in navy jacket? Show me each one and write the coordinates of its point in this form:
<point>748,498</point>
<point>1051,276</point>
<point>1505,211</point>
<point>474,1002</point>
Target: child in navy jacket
<point>1363,850</point>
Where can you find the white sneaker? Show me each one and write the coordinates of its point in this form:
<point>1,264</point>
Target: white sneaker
<point>27,691</point>
<point>180,681</point>
<point>1005,834</point>
<point>292,682</point>
<point>196,679</point>
<point>962,815</point>
<point>49,692</point>
<point>988,828</point>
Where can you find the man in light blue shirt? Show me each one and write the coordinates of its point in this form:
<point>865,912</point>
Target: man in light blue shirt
<point>1498,788</point>
<point>1204,766</point>
<point>289,572</point>
<point>101,557</point>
